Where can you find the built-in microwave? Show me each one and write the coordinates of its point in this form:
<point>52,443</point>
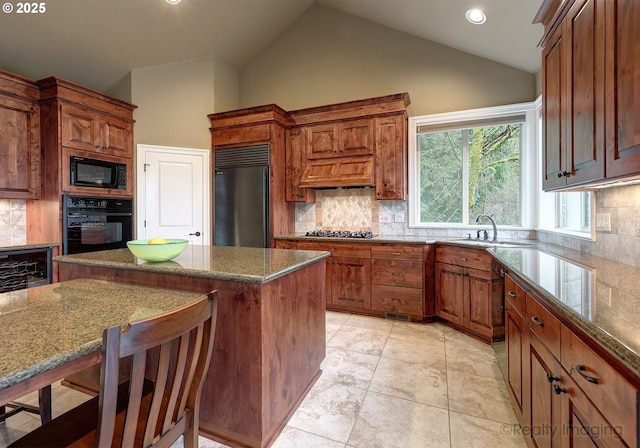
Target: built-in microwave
<point>98,173</point>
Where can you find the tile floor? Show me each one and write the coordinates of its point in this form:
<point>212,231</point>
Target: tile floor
<point>384,384</point>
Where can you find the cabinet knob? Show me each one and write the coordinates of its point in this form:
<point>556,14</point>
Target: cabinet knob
<point>537,321</point>
<point>564,174</point>
<point>552,378</point>
<point>559,390</point>
<point>97,146</point>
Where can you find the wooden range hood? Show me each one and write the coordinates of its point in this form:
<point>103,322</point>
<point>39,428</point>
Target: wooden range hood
<point>349,172</point>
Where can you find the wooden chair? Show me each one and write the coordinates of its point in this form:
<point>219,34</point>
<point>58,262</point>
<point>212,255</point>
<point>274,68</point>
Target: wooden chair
<point>161,399</point>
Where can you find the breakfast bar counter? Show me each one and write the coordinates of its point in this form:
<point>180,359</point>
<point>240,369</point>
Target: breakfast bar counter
<point>270,337</point>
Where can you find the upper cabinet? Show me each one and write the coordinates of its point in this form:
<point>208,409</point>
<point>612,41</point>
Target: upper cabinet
<point>357,143</point>
<point>77,121</point>
<point>588,86</point>
<point>19,138</point>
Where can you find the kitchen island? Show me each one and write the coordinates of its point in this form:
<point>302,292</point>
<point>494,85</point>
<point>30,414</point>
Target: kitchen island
<point>270,337</point>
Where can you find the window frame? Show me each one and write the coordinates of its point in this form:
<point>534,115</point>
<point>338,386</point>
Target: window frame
<point>529,183</point>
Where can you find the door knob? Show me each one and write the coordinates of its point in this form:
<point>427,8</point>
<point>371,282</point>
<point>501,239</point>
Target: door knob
<point>195,234</point>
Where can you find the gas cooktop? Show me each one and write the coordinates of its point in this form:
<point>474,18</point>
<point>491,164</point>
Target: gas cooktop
<point>340,234</point>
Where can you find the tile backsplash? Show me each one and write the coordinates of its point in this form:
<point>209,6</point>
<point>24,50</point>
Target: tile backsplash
<point>357,209</point>
<point>13,221</point>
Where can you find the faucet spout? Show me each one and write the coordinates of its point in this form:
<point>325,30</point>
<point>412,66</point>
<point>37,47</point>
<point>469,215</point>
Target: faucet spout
<point>493,224</point>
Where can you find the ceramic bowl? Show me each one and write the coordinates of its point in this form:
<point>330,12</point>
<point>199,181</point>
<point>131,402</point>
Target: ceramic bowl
<point>157,252</point>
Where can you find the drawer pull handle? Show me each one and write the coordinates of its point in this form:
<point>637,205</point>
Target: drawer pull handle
<point>559,390</point>
<point>580,370</point>
<point>512,294</point>
<point>396,253</point>
<point>537,321</point>
<point>552,378</point>
<point>350,299</point>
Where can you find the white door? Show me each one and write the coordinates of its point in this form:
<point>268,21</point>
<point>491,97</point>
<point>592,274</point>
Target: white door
<point>173,199</point>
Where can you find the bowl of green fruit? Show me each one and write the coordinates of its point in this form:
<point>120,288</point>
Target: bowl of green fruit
<point>157,249</point>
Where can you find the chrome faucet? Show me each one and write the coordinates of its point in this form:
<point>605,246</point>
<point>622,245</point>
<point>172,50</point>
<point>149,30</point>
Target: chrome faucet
<point>493,223</point>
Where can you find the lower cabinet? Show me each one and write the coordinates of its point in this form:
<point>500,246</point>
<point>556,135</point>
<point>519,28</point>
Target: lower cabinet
<point>380,279</point>
<point>469,291</point>
<point>563,393</point>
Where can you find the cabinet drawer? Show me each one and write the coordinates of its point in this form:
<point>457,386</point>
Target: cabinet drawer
<point>514,294</point>
<point>397,273</point>
<point>614,397</point>
<point>543,324</point>
<point>471,258</point>
<point>398,300</point>
<point>359,250</point>
<point>397,252</point>
<point>285,244</point>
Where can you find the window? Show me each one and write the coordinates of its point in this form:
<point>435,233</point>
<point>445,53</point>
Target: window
<point>470,163</point>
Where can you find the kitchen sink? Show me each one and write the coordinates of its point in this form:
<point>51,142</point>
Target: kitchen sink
<point>490,243</point>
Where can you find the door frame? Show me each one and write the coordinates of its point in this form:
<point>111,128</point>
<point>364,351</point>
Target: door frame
<point>140,205</point>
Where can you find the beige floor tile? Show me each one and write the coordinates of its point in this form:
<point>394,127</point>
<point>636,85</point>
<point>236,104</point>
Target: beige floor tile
<point>471,359</point>
<point>388,422</point>
<point>479,396</point>
<point>369,323</point>
<point>416,350</point>
<point>349,368</point>
<point>474,432</point>
<point>361,340</point>
<point>292,437</point>
<point>411,329</point>
<point>329,410</point>
<point>415,382</point>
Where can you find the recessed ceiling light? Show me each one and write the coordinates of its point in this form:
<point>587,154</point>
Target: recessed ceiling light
<point>173,2</point>
<point>474,16</point>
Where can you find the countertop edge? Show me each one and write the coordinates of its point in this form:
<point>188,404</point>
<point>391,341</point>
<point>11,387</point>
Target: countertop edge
<point>609,343</point>
<point>22,247</point>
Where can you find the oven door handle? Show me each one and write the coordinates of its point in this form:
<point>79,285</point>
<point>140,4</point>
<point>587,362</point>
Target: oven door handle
<point>77,215</point>
<point>118,214</point>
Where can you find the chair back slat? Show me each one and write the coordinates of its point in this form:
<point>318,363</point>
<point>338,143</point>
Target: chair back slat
<point>181,343</point>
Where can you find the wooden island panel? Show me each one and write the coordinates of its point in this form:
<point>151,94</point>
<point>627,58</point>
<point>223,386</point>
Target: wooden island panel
<point>269,343</point>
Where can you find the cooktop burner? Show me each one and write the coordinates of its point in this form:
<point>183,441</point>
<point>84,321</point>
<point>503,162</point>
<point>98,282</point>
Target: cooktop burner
<point>340,234</point>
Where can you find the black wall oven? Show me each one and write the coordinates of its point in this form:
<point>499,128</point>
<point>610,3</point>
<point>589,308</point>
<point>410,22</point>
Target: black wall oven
<point>91,224</point>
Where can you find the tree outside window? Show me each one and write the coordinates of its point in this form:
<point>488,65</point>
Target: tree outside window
<point>464,173</point>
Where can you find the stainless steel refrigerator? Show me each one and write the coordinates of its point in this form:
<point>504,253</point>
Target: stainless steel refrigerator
<point>241,196</point>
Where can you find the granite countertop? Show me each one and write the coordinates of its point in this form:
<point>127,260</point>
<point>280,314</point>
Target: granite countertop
<point>242,264</point>
<point>597,295</point>
<point>51,325</point>
<point>409,239</point>
<point>6,246</point>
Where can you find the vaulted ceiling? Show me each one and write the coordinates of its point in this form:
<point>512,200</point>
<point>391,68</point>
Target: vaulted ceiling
<point>98,42</point>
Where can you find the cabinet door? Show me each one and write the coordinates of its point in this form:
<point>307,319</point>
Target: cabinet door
<point>622,93</point>
<point>322,140</point>
<point>391,157</point>
<point>543,410</point>
<point>582,424</point>
<point>478,315</point>
<point>356,138</point>
<point>19,149</point>
<point>296,161</point>
<point>450,292</point>
<point>80,128</point>
<point>553,111</point>
<point>116,137</point>
<point>515,338</point>
<point>351,282</point>
<point>585,91</point>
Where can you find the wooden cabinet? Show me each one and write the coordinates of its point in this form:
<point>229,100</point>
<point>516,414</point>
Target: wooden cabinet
<point>516,335</point>
<point>341,139</point>
<point>573,98</point>
<point>296,161</point>
<point>397,276</point>
<point>469,292</point>
<point>391,157</point>
<point>74,120</point>
<point>622,77</point>
<point>86,129</point>
<point>589,84</point>
<point>19,138</point>
<point>380,279</point>
<point>561,388</point>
